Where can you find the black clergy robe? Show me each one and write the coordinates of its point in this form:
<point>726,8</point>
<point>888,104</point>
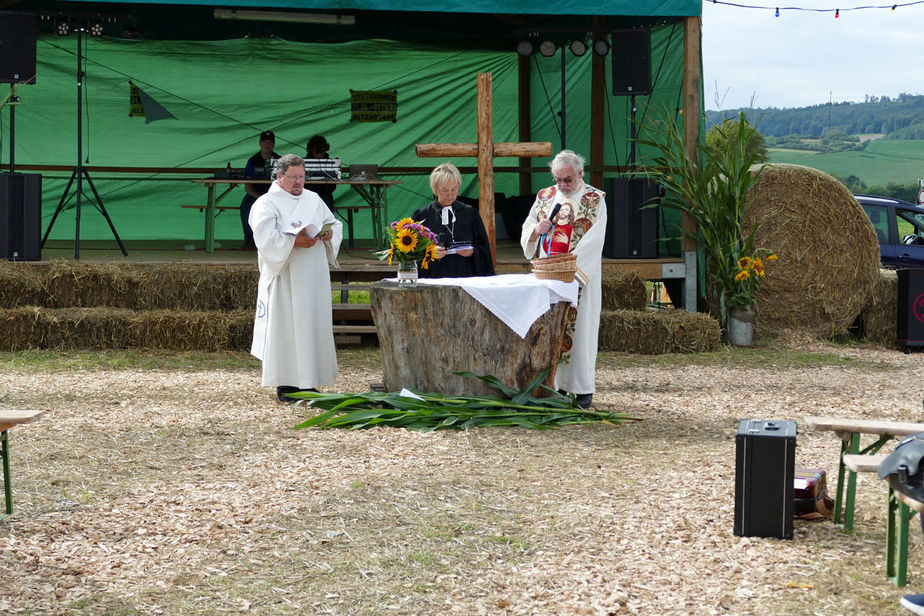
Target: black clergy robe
<point>468,228</point>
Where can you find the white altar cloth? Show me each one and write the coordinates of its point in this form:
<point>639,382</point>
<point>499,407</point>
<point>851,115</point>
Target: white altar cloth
<point>516,299</point>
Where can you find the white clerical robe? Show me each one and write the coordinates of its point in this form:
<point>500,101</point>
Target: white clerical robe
<point>293,333</point>
<point>587,235</point>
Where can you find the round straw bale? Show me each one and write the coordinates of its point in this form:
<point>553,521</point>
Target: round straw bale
<point>623,290</point>
<point>828,252</point>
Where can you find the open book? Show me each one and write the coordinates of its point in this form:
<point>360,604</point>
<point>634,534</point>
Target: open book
<point>311,230</point>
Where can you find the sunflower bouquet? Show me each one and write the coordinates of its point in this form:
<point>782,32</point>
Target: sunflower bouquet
<point>748,275</point>
<point>409,241</point>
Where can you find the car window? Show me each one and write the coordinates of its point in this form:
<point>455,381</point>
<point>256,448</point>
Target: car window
<point>879,216</point>
<point>909,223</point>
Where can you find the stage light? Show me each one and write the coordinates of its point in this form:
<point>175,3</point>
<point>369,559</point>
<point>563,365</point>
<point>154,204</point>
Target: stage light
<point>578,47</point>
<point>525,48</point>
<point>601,47</point>
<point>547,48</point>
<point>286,17</point>
<point>62,27</point>
<point>96,28</point>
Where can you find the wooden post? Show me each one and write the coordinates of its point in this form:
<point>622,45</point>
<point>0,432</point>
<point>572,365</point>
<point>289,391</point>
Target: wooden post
<point>692,84</point>
<point>486,150</point>
<point>524,109</point>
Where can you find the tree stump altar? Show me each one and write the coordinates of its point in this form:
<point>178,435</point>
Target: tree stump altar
<point>427,333</point>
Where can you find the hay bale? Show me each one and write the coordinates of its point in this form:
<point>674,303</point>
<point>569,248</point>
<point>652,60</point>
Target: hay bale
<point>623,290</point>
<point>880,316</point>
<point>33,327</point>
<point>20,284</point>
<point>656,332</point>
<point>828,252</point>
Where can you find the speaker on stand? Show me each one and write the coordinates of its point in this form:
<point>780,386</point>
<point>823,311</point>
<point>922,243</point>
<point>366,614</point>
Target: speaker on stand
<point>631,59</point>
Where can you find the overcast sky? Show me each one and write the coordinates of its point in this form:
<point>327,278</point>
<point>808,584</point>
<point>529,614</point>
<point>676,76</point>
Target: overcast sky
<point>804,58</point>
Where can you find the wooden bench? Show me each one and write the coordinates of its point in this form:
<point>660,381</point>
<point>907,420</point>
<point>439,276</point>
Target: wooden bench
<point>900,510</point>
<point>8,419</point>
<point>351,321</point>
<point>849,432</point>
<point>218,208</point>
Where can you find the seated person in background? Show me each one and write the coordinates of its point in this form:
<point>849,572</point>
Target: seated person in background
<point>259,167</point>
<point>317,148</point>
<point>463,243</point>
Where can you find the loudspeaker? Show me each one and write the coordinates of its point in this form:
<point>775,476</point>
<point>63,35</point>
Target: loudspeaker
<point>765,469</point>
<point>910,330</point>
<point>18,32</point>
<point>20,216</point>
<point>631,51</point>
<point>631,229</point>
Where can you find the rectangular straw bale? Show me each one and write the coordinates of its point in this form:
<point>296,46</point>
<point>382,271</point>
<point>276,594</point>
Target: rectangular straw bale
<point>880,316</point>
<point>75,283</point>
<point>19,285</point>
<point>656,332</point>
<point>192,330</point>
<point>197,287</point>
<point>623,290</point>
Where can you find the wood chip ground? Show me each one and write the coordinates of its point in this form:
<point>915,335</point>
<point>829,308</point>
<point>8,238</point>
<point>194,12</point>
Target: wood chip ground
<point>187,492</point>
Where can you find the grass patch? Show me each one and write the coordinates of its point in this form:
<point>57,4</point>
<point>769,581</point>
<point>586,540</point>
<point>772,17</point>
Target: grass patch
<point>89,359</point>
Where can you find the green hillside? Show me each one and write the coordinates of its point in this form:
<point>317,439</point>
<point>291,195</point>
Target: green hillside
<point>881,163</point>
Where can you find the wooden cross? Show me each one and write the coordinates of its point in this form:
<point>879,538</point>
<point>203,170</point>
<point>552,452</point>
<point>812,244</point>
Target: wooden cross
<point>486,152</point>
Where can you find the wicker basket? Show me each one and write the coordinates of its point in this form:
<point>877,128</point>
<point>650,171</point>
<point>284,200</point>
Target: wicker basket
<point>556,267</point>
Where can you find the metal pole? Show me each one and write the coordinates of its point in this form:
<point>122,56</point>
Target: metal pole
<point>12,129</point>
<point>562,112</point>
<point>79,137</point>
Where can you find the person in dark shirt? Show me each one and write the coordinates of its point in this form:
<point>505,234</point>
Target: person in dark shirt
<point>318,148</point>
<point>463,243</point>
<point>259,167</point>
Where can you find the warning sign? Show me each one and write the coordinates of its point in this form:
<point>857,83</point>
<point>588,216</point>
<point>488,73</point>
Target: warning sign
<point>373,105</point>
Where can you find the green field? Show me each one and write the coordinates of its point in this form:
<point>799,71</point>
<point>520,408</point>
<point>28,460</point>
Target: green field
<point>882,162</point>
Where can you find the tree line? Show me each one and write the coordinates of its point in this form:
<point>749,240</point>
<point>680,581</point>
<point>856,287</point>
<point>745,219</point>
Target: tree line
<point>901,117</point>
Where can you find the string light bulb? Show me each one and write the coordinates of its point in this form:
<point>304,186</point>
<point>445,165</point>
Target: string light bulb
<point>837,13</point>
<point>777,12</point>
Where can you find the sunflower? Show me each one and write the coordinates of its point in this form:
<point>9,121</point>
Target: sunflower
<point>758,266</point>
<point>403,223</point>
<point>406,240</point>
<point>744,262</point>
<point>742,275</point>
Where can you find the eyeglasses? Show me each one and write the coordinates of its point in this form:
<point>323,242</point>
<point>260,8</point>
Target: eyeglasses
<point>564,180</point>
<point>294,178</point>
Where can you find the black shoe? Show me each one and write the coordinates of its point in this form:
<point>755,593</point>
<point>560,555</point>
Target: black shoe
<point>283,391</point>
<point>584,400</point>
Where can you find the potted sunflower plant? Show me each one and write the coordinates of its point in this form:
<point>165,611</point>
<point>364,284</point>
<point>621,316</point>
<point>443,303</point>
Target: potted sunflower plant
<point>712,188</point>
<point>409,242</point>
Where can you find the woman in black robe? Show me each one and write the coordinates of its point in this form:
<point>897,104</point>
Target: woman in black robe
<point>463,243</point>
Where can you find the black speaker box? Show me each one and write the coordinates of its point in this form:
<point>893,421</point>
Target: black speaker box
<point>765,470</point>
<point>631,54</point>
<point>910,331</point>
<point>20,216</point>
<point>631,229</point>
<point>18,32</point>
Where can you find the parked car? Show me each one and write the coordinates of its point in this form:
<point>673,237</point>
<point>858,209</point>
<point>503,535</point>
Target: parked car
<point>900,229</point>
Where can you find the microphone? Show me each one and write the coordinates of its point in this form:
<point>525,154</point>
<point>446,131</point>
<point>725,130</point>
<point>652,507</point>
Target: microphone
<point>552,216</point>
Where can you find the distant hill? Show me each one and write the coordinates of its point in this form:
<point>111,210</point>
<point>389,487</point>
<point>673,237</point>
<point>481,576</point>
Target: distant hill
<point>894,118</point>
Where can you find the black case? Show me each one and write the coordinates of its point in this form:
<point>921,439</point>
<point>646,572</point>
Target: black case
<point>765,453</point>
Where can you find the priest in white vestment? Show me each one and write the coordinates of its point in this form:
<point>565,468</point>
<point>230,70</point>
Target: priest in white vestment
<point>570,217</point>
<point>297,239</point>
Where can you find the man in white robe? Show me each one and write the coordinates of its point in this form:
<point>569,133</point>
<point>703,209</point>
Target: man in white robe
<point>583,237</point>
<point>297,239</point>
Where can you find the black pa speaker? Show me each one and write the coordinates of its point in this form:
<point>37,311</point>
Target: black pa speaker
<point>20,216</point>
<point>631,228</point>
<point>631,50</point>
<point>910,330</point>
<point>18,32</point>
<point>764,478</point>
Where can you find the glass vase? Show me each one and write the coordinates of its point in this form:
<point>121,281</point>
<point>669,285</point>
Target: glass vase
<point>407,274</point>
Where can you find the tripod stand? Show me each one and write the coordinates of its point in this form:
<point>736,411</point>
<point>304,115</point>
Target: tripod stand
<point>80,172</point>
